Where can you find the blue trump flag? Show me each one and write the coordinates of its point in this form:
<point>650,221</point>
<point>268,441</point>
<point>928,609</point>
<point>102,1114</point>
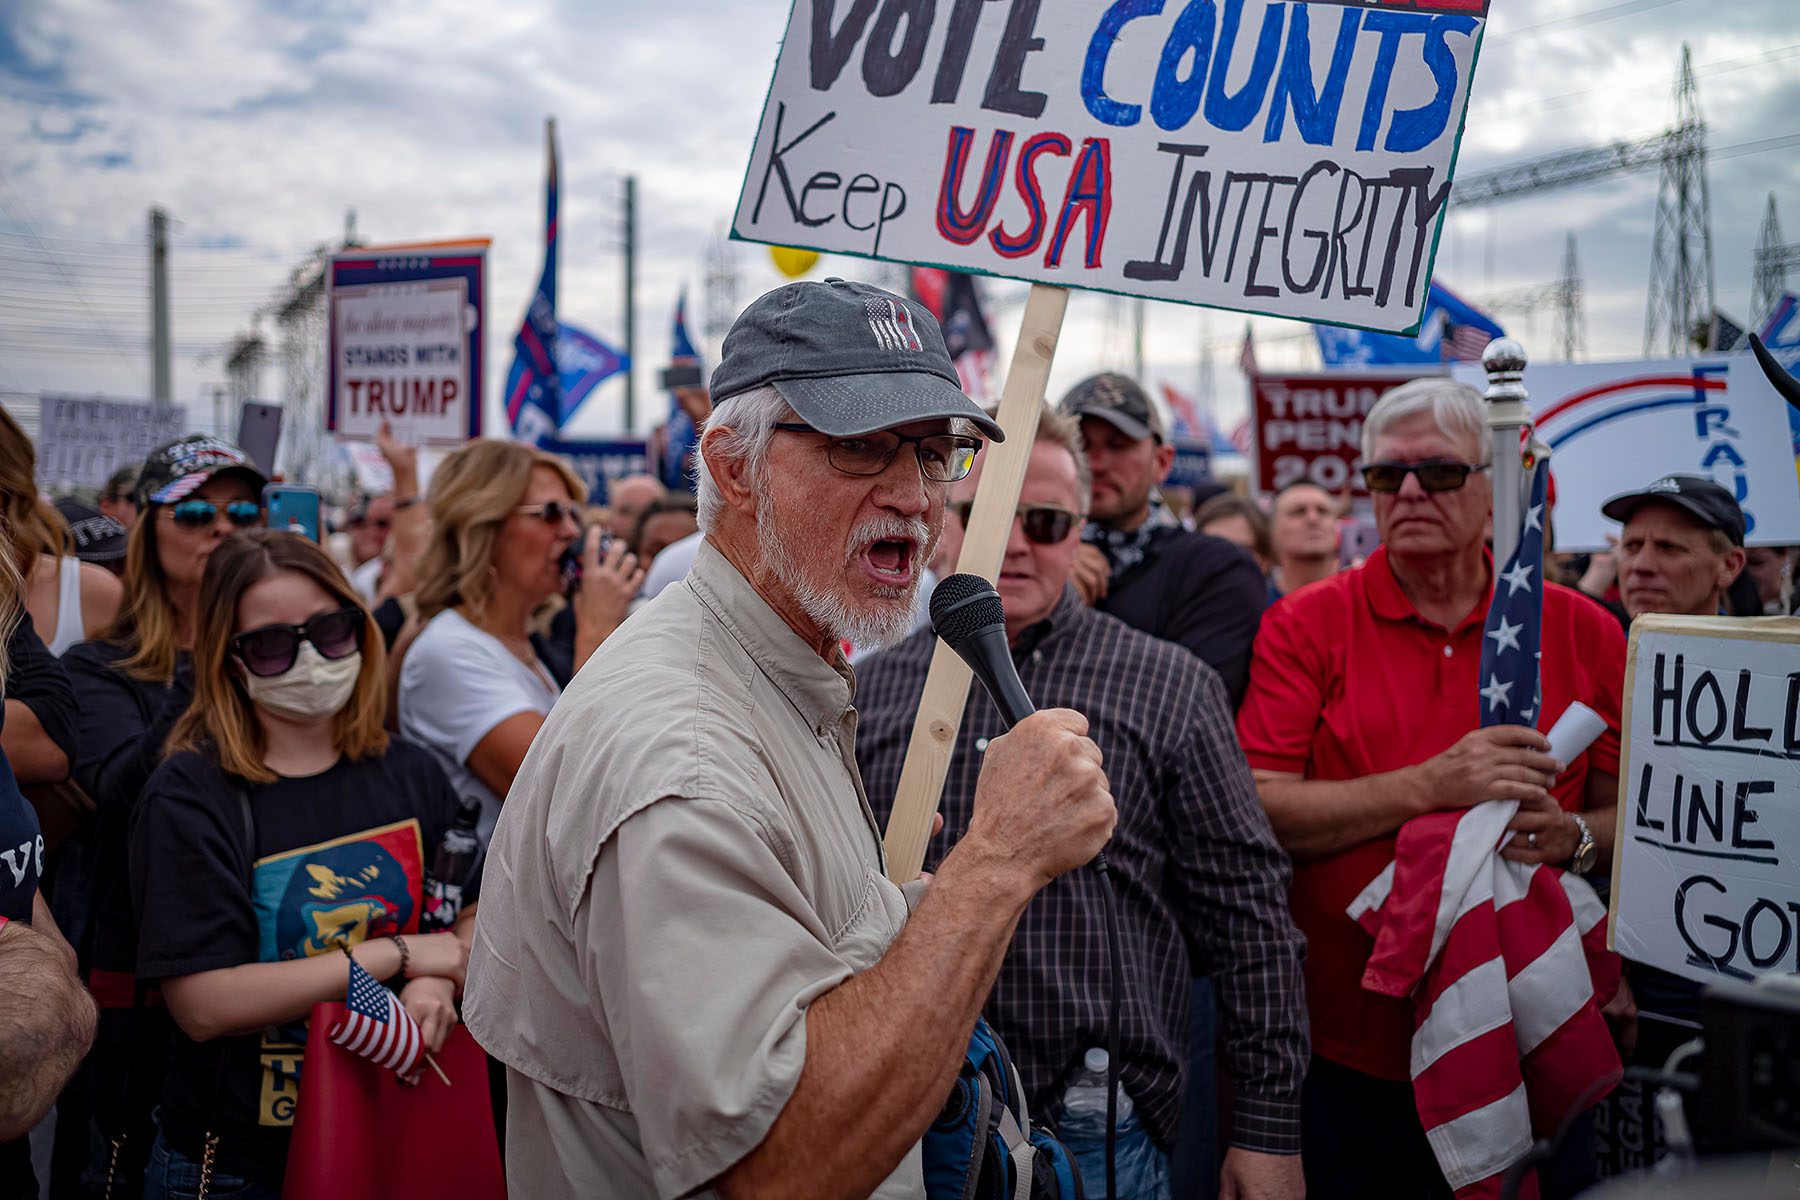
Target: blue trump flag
<point>583,362</point>
<point>679,435</point>
<point>1452,330</point>
<point>534,388</point>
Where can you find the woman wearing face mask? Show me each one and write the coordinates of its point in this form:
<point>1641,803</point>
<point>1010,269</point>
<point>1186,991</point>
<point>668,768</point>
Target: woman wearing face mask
<point>284,827</point>
<point>474,685</point>
<point>131,684</point>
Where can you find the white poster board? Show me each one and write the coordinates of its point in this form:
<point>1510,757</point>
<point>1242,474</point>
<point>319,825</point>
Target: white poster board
<point>1282,158</point>
<point>1706,858</point>
<point>405,342</point>
<point>82,440</point>
<point>1618,427</point>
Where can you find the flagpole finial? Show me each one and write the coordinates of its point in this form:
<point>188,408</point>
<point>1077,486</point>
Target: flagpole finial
<point>1504,361</point>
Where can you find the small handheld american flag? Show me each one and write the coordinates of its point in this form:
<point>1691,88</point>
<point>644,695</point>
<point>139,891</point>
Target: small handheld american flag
<point>378,1027</point>
<point>1510,688</point>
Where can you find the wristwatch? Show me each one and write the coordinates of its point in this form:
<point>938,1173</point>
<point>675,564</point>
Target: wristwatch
<point>1587,852</point>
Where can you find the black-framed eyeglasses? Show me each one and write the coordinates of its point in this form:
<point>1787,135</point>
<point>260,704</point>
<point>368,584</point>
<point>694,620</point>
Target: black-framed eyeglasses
<point>272,649</point>
<point>943,457</point>
<point>1045,524</point>
<point>1437,475</point>
<point>553,512</point>
<point>198,514</point>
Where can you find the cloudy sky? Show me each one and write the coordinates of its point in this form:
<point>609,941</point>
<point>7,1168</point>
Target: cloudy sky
<point>259,123</point>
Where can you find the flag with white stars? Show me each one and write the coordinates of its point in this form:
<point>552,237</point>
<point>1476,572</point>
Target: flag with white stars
<point>1509,648</point>
<point>378,1027</point>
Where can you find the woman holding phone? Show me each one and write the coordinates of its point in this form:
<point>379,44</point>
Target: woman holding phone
<point>284,829</point>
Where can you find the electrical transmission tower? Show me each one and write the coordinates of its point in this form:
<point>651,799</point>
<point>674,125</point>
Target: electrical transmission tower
<point>1774,260</point>
<point>720,286</point>
<point>1563,295</point>
<point>1681,266</point>
<point>1681,277</point>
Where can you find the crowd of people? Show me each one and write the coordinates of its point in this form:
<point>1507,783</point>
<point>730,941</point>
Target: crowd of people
<point>232,754</point>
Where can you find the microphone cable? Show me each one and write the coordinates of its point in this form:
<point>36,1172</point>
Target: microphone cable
<point>967,615</point>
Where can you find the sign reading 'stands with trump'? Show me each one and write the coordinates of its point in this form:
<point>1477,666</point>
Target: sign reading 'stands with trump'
<point>1285,158</point>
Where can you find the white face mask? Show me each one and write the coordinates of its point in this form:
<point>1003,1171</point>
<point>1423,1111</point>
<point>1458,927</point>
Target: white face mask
<point>314,687</point>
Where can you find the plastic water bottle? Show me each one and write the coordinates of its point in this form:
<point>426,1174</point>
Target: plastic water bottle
<point>1085,1101</point>
<point>451,867</point>
<point>1139,1168</point>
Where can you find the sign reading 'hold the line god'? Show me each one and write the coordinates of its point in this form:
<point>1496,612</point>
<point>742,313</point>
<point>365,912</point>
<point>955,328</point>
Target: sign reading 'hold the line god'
<point>1706,868</point>
<point>1285,158</point>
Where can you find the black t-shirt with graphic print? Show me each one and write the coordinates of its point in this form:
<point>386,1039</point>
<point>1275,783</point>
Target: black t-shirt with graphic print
<point>341,855</point>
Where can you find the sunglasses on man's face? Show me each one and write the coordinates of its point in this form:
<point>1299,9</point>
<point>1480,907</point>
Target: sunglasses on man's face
<point>272,649</point>
<point>553,512</point>
<point>1438,475</point>
<point>198,514</point>
<point>1044,524</point>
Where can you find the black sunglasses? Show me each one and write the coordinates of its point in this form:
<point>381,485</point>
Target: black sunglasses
<point>943,457</point>
<point>198,514</point>
<point>553,512</point>
<point>1044,524</point>
<point>272,649</point>
<point>1438,475</point>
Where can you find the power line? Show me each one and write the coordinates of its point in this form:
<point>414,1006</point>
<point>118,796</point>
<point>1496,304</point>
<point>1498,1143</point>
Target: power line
<point>1612,12</point>
<point>23,217</point>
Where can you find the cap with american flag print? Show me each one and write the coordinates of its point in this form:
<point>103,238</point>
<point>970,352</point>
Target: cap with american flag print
<point>849,359</point>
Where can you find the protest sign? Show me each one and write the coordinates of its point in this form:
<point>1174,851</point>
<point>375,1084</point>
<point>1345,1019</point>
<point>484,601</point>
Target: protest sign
<point>1617,427</point>
<point>1310,427</point>
<point>1287,159</point>
<point>597,462</point>
<point>1192,467</point>
<point>82,440</point>
<point>406,341</point>
<point>1706,856</point>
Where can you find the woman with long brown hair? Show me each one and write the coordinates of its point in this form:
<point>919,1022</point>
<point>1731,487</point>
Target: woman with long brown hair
<point>69,600</point>
<point>132,683</point>
<point>284,826</point>
<point>473,686</point>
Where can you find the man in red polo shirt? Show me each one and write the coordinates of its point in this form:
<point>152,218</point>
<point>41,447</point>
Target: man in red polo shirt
<point>1362,713</point>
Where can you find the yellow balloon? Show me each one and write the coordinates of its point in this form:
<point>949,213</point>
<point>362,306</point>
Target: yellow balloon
<point>791,262</point>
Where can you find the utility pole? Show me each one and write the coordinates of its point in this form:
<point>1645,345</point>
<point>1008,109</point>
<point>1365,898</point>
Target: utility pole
<point>1568,303</point>
<point>631,355</point>
<point>160,389</point>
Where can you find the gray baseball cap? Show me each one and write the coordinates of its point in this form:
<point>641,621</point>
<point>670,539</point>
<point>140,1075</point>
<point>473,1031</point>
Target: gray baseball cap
<point>849,358</point>
<point>1120,402</point>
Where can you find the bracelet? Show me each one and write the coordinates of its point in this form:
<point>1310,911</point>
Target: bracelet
<point>405,954</point>
<point>405,502</point>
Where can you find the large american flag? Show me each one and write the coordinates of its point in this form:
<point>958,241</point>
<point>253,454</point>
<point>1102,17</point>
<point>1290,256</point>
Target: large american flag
<point>378,1027</point>
<point>1505,963</point>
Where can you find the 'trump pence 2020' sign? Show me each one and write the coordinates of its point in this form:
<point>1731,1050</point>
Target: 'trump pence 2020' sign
<point>1706,866</point>
<point>1285,158</point>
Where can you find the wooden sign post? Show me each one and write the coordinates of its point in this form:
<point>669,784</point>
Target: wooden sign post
<point>984,545</point>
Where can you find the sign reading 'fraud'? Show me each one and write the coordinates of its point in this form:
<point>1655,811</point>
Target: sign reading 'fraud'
<point>1285,158</point>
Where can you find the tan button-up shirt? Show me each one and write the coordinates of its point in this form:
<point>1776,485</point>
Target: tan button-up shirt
<point>685,862</point>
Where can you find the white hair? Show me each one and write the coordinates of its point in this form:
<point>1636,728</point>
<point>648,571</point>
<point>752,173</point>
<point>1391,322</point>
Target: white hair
<point>748,421</point>
<point>1457,408</point>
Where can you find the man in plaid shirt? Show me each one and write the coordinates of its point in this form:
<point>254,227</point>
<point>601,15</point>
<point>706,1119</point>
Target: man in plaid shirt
<point>1202,884</point>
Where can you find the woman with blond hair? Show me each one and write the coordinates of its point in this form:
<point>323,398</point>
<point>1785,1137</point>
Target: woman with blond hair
<point>69,601</point>
<point>284,827</point>
<point>474,686</point>
<point>132,682</point>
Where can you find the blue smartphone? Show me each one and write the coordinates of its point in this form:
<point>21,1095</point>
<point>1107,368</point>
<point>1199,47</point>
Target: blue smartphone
<point>293,507</point>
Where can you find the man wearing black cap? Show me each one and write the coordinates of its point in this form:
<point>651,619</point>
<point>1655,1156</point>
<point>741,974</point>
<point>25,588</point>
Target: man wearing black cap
<point>1681,548</point>
<point>690,960</point>
<point>1198,591</point>
<point>99,539</point>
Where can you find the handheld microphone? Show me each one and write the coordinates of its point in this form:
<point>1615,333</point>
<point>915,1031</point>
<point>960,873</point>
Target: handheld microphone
<point>967,615</point>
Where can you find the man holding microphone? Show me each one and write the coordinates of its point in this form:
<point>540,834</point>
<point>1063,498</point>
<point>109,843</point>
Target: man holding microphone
<point>688,956</point>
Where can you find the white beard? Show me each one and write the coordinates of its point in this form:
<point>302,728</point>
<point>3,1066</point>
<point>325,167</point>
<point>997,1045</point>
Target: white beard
<point>873,628</point>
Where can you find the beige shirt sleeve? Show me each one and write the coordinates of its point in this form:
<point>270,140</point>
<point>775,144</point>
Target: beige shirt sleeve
<point>705,955</point>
